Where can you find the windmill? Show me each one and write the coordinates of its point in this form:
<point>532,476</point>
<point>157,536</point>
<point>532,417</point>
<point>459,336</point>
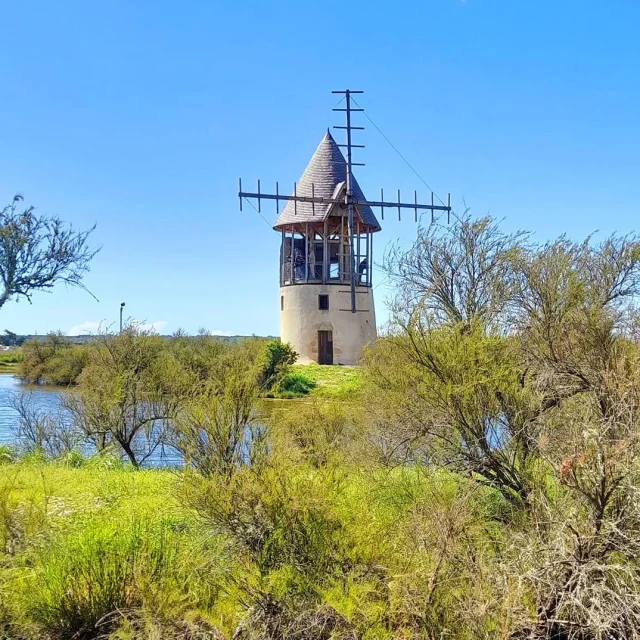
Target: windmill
<point>327,227</point>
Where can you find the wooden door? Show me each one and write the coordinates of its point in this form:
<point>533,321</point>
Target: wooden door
<point>325,347</point>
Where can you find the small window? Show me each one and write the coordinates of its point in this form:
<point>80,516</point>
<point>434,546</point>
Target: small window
<point>323,302</point>
<point>281,303</point>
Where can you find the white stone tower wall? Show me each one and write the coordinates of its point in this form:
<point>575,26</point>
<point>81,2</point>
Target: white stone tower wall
<point>300,320</point>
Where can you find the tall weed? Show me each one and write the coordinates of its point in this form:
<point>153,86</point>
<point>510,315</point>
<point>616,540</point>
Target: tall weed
<point>85,580</point>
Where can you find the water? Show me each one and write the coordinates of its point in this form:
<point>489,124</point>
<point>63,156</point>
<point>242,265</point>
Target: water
<point>48,400</point>
<point>44,399</point>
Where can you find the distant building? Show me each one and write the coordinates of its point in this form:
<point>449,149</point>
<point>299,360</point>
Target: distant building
<point>315,264</point>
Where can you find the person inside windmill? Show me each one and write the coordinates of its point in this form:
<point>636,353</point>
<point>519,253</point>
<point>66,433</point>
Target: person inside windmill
<point>312,263</point>
<point>298,264</point>
<point>362,269</point>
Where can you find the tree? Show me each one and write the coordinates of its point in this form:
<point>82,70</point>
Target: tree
<point>457,274</point>
<point>215,427</point>
<point>528,378</point>
<point>37,252</point>
<point>10,339</point>
<point>454,398</point>
<point>447,384</point>
<point>126,394</point>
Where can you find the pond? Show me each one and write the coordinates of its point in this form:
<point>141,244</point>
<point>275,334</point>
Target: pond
<point>45,399</point>
<point>48,399</point>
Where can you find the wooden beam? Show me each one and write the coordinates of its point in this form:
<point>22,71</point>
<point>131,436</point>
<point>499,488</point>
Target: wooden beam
<point>325,246</point>
<point>319,200</point>
<point>282,259</point>
<point>341,249</point>
<point>306,252</point>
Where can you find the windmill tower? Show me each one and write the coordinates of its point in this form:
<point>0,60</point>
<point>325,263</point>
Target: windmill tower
<point>327,310</point>
<point>316,264</point>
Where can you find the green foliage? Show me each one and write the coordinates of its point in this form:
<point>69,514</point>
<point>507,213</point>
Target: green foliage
<point>54,360</point>
<point>278,550</point>
<point>84,579</point>
<point>106,546</point>
<point>127,392</point>
<point>320,432</point>
<point>278,357</point>
<point>7,454</point>
<point>58,361</point>
<point>216,429</point>
<point>463,390</point>
<point>372,554</point>
<point>11,357</point>
<point>294,385</point>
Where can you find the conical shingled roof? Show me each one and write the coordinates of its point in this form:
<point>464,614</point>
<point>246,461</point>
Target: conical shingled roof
<point>327,171</point>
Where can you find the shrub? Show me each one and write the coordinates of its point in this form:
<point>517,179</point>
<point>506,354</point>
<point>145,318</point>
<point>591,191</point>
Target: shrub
<point>41,432</point>
<point>7,454</point>
<point>255,511</point>
<point>320,430</point>
<point>278,356</point>
<point>85,579</point>
<point>54,360</point>
<point>216,432</point>
<point>294,385</point>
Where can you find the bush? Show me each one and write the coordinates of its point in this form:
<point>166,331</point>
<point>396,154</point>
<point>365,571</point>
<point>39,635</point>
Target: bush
<point>320,431</point>
<point>278,357</point>
<point>290,541</point>
<point>84,580</point>
<point>42,432</point>
<point>10,357</point>
<point>54,360</point>
<point>7,454</point>
<point>294,385</point>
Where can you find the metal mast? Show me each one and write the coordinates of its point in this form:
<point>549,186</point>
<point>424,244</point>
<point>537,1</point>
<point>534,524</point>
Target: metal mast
<point>348,199</point>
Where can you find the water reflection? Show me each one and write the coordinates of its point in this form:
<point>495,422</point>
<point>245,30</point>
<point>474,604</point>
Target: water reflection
<point>48,400</point>
<point>44,399</point>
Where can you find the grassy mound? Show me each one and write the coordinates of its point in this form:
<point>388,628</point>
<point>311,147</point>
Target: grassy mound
<point>322,381</point>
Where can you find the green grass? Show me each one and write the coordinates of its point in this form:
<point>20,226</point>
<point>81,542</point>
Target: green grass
<point>99,551</point>
<point>321,381</point>
<point>331,381</point>
<point>9,360</point>
<point>293,385</point>
<point>79,545</point>
<point>10,357</point>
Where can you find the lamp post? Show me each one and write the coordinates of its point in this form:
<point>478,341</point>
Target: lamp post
<point>121,308</point>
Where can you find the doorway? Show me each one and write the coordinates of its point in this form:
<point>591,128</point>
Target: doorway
<point>325,347</point>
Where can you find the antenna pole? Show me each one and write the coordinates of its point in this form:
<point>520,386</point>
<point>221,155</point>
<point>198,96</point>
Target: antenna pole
<point>349,203</point>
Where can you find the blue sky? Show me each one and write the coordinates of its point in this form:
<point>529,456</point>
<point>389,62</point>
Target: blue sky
<point>140,116</point>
